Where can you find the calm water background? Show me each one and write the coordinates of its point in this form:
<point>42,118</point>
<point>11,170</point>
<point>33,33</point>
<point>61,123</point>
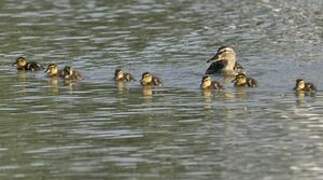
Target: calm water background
<point>99,130</point>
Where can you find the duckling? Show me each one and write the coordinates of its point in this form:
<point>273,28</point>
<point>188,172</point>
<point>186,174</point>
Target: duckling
<point>53,71</point>
<point>241,80</point>
<point>301,85</point>
<point>22,64</point>
<point>207,83</point>
<point>225,62</point>
<point>148,79</point>
<point>71,74</point>
<point>120,75</point>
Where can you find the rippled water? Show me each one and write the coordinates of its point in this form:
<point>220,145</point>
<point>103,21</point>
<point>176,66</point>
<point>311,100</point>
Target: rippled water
<point>97,129</point>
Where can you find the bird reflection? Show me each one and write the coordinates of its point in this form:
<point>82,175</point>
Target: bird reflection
<point>54,85</point>
<point>147,91</point>
<point>121,87</point>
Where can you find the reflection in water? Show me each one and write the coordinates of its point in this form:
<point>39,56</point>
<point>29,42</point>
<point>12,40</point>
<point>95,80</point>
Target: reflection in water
<point>301,95</point>
<point>241,93</point>
<point>122,87</point>
<point>207,94</point>
<point>147,91</point>
<point>53,83</point>
<point>71,84</point>
<point>227,79</point>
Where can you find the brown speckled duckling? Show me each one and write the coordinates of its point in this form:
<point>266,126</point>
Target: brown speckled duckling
<point>301,85</point>
<point>53,71</point>
<point>241,80</point>
<point>225,62</point>
<point>207,83</point>
<point>22,64</point>
<point>120,75</point>
<point>148,79</point>
<point>72,74</point>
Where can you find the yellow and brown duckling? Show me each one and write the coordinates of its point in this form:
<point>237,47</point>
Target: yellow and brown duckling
<point>207,83</point>
<point>225,62</point>
<point>72,74</point>
<point>120,76</point>
<point>22,64</point>
<point>148,79</point>
<point>241,80</point>
<point>301,85</point>
<point>53,71</point>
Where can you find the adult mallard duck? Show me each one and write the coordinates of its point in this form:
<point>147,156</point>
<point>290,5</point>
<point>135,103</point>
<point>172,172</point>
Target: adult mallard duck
<point>207,83</point>
<point>241,80</point>
<point>148,79</point>
<point>22,64</point>
<point>225,62</point>
<point>120,75</point>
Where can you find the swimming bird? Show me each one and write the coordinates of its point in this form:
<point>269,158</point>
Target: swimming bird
<point>207,83</point>
<point>71,74</point>
<point>225,62</point>
<point>53,71</point>
<point>120,75</point>
<point>301,85</point>
<point>22,64</point>
<point>148,79</point>
<point>241,80</point>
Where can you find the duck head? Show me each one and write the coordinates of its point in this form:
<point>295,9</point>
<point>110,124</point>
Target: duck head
<point>206,82</point>
<point>21,63</point>
<point>300,85</point>
<point>52,70</point>
<point>146,78</point>
<point>118,75</point>
<point>240,79</point>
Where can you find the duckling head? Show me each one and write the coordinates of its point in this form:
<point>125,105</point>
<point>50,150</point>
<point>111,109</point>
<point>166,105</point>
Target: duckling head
<point>68,71</point>
<point>118,74</point>
<point>52,69</point>
<point>21,62</point>
<point>206,82</point>
<point>146,78</point>
<point>300,84</point>
<point>240,79</point>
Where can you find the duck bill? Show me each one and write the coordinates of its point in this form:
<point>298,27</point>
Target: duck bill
<point>14,64</point>
<point>215,57</point>
<point>46,70</point>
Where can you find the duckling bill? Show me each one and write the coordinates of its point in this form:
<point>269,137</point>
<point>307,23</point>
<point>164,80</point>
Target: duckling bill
<point>241,80</point>
<point>22,64</point>
<point>301,85</point>
<point>148,79</point>
<point>120,75</point>
<point>207,83</point>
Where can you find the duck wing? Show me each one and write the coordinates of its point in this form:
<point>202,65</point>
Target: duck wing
<point>156,81</point>
<point>216,67</point>
<point>33,66</point>
<point>238,67</point>
<point>251,82</point>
